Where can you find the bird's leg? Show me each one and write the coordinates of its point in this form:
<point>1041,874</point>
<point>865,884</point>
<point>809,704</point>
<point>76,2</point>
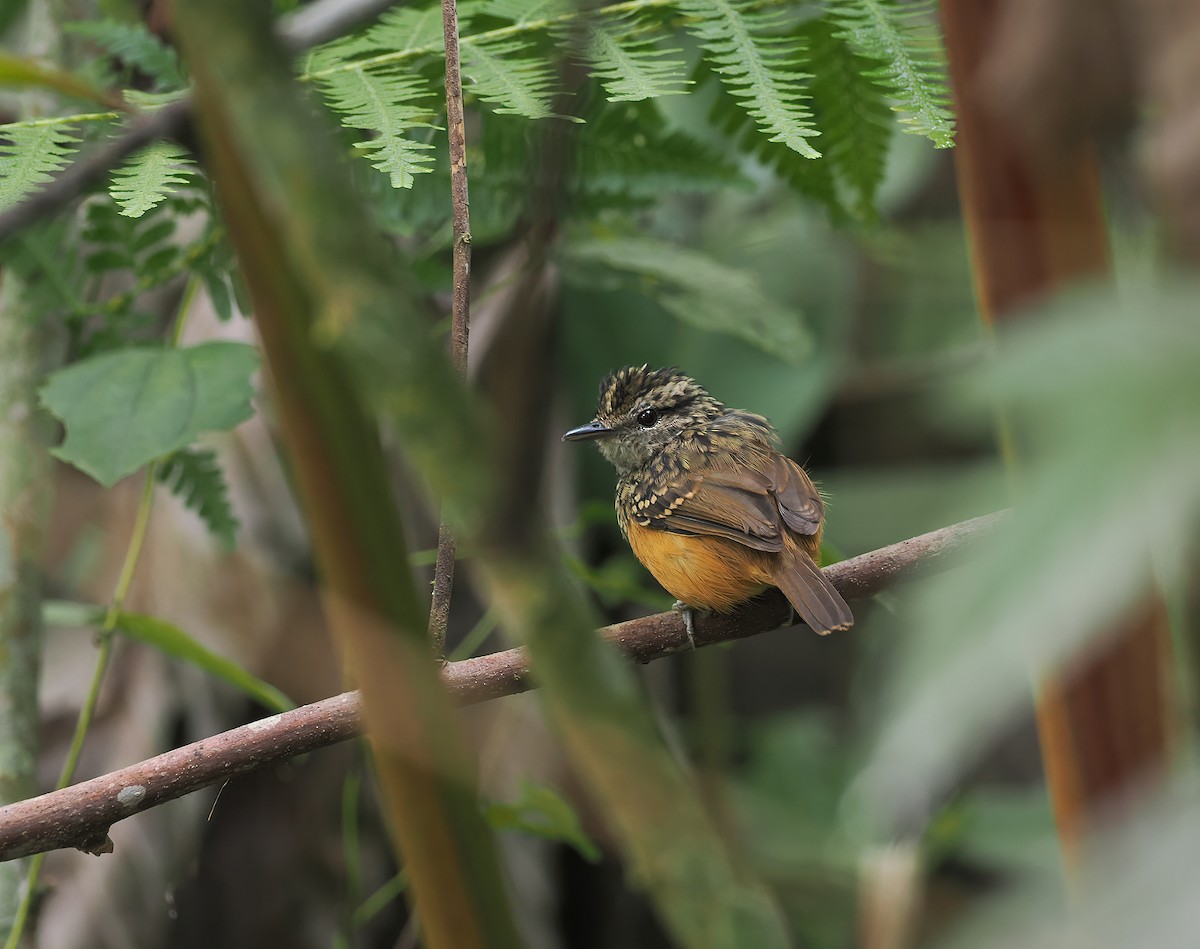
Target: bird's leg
<point>688,621</point>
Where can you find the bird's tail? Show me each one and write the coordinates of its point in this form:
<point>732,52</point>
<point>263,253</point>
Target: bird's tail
<point>812,596</point>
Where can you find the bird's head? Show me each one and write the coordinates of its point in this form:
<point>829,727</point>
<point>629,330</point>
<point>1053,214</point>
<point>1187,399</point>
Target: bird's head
<point>642,411</point>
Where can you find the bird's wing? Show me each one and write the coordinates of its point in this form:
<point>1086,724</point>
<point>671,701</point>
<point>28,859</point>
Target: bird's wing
<point>753,503</point>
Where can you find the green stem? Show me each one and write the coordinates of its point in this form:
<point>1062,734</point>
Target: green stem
<point>124,581</point>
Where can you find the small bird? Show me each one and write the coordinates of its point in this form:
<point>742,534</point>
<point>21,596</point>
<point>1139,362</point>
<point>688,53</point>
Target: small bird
<point>706,500</point>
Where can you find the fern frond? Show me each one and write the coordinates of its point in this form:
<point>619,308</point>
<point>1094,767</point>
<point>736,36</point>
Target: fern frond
<point>383,103</point>
<point>504,73</point>
<point>759,68</point>
<point>813,179</point>
<point>194,476</point>
<point>626,156</point>
<point>136,46</point>
<point>700,290</point>
<point>631,65</point>
<point>912,64</point>
<point>851,107</point>
<point>31,152</point>
<point>149,176</point>
<point>526,12</point>
<point>399,33</point>
<point>153,101</point>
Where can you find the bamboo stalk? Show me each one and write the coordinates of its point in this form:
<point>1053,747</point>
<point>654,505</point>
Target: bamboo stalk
<point>1033,228</point>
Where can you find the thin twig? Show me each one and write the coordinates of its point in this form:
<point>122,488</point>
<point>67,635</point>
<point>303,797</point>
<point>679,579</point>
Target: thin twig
<point>460,305</point>
<point>80,816</point>
<point>314,24</point>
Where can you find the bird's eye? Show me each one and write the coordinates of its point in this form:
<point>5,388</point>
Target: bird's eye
<point>647,417</point>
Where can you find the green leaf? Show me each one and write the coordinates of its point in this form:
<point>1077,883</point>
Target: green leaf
<point>194,476</point>
<point>504,73</point>
<point>384,103</point>
<point>123,409</point>
<point>851,108</point>
<point>149,176</point>
<point>541,810</point>
<point>631,65</point>
<point>904,40</point>
<point>760,68</point>
<point>219,294</point>
<point>173,641</point>
<point>136,46</point>
<point>702,291</point>
<point>30,154</point>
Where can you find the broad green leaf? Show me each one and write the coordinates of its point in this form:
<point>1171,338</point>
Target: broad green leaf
<point>123,409</point>
<point>543,811</point>
<point>170,639</point>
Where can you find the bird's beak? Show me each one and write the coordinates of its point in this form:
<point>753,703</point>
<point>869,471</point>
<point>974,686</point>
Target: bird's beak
<point>587,432</point>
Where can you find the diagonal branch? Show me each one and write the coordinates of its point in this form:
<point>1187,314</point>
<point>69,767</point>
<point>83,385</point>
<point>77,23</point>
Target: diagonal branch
<point>314,24</point>
<point>80,816</point>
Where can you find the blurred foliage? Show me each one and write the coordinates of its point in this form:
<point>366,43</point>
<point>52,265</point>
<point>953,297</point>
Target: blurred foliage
<point>545,812</point>
<point>1101,392</point>
<point>173,641</point>
<point>833,295</point>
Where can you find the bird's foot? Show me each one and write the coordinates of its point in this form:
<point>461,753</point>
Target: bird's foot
<point>689,619</point>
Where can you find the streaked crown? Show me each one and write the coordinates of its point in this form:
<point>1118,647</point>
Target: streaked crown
<point>667,390</point>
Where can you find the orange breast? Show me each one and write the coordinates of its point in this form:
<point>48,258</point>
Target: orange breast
<point>710,573</point>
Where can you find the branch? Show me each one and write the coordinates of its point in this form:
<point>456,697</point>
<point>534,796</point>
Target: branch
<point>314,24</point>
<point>79,816</point>
<point>460,305</point>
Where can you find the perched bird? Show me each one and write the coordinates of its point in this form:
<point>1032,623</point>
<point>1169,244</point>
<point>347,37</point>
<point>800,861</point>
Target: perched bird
<point>706,500</point>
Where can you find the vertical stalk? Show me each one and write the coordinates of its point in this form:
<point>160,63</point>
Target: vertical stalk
<point>1104,723</point>
<point>27,351</point>
<point>87,711</point>
<point>314,272</point>
<point>460,303</point>
<point>24,506</point>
